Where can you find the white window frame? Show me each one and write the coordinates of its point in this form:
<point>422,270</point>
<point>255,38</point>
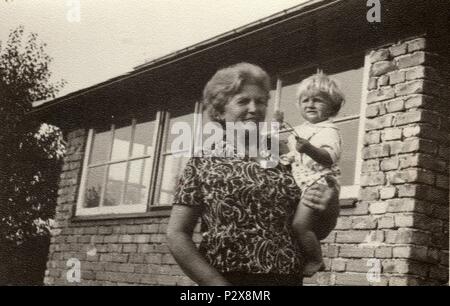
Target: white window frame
<point>164,152</point>
<point>119,209</point>
<point>348,191</point>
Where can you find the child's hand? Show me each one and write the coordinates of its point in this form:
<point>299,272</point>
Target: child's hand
<point>278,116</point>
<point>301,144</point>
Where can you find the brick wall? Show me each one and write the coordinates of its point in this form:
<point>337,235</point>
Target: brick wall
<point>401,217</point>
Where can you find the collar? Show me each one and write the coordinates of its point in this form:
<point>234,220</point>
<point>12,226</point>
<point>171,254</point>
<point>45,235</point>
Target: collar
<point>323,124</point>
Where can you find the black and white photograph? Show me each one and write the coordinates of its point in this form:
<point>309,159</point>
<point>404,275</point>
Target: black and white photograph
<point>194,143</point>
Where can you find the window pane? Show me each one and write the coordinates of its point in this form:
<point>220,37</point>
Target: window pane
<point>94,186</point>
<point>114,185</point>
<point>121,145</point>
<point>189,119</point>
<point>350,82</point>
<point>271,105</point>
<point>138,181</point>
<point>101,144</point>
<point>349,133</point>
<point>143,139</point>
<point>288,105</point>
<point>173,168</point>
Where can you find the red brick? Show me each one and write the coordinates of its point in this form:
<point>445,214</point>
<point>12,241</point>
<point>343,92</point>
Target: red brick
<point>386,222</point>
<point>379,55</point>
<point>376,150</point>
<point>381,67</point>
<point>352,279</point>
<point>393,106</point>
<point>417,45</point>
<point>357,265</point>
<point>365,222</point>
<point>372,110</point>
<point>361,208</point>
<point>383,252</point>
<point>380,122</point>
<point>338,265</point>
<point>416,101</point>
<point>409,60</point>
<point>419,145</point>
<point>130,248</point>
<point>389,163</point>
<point>329,250</point>
<point>378,207</point>
<point>114,248</point>
<point>403,281</point>
<point>373,179</point>
<point>381,94</point>
<point>370,166</point>
<point>351,236</point>
<point>407,236</point>
<point>155,258</point>
<point>411,252</point>
<point>399,49</point>
<point>356,252</point>
<point>412,175</point>
<point>396,77</point>
<point>383,80</point>
<point>343,223</point>
<point>125,238</point>
<point>388,192</point>
<point>369,193</point>
<point>372,83</point>
<point>372,137</point>
<point>143,238</point>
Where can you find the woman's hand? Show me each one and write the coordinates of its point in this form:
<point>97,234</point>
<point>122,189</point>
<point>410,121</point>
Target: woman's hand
<point>179,238</point>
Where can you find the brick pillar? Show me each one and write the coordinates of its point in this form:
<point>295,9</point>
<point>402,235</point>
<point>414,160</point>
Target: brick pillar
<point>67,198</point>
<point>405,162</point>
<point>399,225</point>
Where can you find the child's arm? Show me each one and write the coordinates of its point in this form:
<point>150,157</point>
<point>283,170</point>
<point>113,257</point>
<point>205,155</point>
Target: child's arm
<point>318,154</point>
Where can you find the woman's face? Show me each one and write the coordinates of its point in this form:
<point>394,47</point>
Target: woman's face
<point>249,104</point>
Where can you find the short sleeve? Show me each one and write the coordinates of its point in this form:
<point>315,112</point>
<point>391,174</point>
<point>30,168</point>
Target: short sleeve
<point>330,140</point>
<point>188,191</point>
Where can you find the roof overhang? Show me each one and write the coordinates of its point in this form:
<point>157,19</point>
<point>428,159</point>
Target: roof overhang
<point>309,32</point>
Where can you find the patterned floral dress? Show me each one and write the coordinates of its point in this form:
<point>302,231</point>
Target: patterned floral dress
<point>246,214</point>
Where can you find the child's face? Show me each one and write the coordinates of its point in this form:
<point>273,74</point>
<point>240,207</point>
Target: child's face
<point>314,108</point>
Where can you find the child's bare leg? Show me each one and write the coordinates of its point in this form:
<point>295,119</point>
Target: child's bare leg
<point>310,245</point>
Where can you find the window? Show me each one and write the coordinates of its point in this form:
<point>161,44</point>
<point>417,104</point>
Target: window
<point>350,74</point>
<point>118,167</point>
<point>173,160</point>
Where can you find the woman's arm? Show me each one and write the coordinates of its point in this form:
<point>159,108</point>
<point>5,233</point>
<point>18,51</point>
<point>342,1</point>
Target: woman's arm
<point>179,237</point>
<point>325,201</point>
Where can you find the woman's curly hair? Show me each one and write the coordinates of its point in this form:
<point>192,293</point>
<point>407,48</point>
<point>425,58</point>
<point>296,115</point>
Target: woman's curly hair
<point>228,82</point>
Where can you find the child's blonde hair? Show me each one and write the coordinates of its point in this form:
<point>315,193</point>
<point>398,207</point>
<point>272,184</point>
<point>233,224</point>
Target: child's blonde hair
<point>322,84</point>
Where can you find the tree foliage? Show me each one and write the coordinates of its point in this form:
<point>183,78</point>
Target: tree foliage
<point>30,152</point>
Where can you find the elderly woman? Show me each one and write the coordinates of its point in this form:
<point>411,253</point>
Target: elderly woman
<point>246,210</point>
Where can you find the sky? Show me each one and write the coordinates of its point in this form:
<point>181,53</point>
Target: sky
<point>105,38</point>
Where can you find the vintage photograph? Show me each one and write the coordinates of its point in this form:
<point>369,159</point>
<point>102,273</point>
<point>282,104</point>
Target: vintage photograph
<point>224,143</point>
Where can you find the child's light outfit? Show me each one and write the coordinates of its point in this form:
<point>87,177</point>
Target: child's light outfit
<point>306,171</point>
